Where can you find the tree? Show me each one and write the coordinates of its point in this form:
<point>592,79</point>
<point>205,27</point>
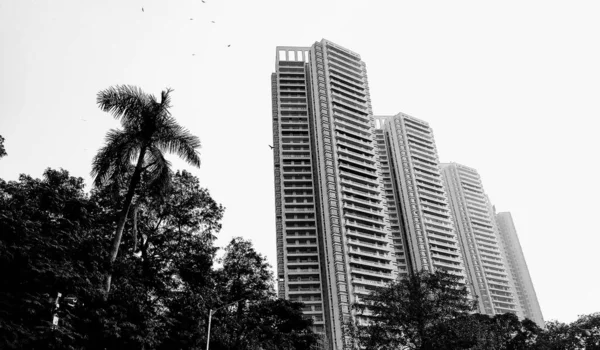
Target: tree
<point>148,132</point>
<point>159,284</point>
<point>54,239</point>
<point>50,243</point>
<point>413,312</point>
<point>500,332</point>
<point>257,319</point>
<point>584,333</point>
<point>586,330</point>
<point>2,150</point>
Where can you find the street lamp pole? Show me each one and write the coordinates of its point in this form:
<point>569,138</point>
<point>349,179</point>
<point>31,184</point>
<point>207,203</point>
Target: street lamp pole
<point>212,312</point>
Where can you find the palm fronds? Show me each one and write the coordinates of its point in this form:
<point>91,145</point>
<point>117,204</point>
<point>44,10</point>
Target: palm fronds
<point>120,150</point>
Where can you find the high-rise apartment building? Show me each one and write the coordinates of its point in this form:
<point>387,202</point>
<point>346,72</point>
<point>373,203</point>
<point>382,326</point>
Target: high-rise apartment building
<point>519,271</point>
<point>333,241</point>
<point>488,273</point>
<point>361,200</point>
<point>421,221</point>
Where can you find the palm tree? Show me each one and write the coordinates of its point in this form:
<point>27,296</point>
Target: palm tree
<point>148,132</point>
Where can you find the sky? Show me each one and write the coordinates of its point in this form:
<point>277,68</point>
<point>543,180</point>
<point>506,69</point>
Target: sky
<point>510,88</point>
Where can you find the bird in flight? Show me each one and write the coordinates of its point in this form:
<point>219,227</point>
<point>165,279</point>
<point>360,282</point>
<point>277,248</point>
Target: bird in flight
<point>229,45</point>
<point>213,21</point>
<point>142,9</point>
<point>203,1</point>
<point>271,146</point>
<point>191,19</point>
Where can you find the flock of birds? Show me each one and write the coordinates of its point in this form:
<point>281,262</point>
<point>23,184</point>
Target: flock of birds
<point>191,19</point>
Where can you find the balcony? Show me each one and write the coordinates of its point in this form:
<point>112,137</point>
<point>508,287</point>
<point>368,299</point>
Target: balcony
<point>364,218</point>
<point>360,185</point>
<point>360,271</point>
<point>303,271</point>
<point>368,253</point>
<point>379,212</point>
<point>368,282</point>
<point>362,193</point>
<point>373,228</point>
<point>358,242</point>
<point>304,290</point>
<point>370,263</point>
<point>363,164</point>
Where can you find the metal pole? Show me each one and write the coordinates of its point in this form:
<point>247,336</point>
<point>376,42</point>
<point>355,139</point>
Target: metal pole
<point>210,312</point>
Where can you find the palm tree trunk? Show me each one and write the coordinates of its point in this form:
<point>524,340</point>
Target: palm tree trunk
<point>135,179</point>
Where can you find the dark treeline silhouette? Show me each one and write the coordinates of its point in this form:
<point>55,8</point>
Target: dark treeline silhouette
<point>432,311</point>
<point>55,239</point>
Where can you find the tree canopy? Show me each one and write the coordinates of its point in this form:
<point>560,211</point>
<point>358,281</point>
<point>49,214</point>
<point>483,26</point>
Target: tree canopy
<point>433,311</point>
<point>55,237</point>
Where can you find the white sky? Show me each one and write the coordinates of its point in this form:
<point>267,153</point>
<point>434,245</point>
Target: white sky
<point>510,88</point>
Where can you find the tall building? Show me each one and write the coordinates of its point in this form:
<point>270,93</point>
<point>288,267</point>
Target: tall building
<point>421,221</point>
<point>520,273</point>
<point>487,270</point>
<point>361,200</point>
<point>333,241</point>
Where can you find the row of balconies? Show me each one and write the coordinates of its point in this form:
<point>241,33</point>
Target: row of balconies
<point>373,197</point>
<point>418,138</point>
<point>376,241</point>
<point>372,204</point>
<point>443,243</point>
<point>361,164</point>
<point>382,247</point>
<point>369,272</point>
<point>345,61</point>
<point>378,212</point>
<point>370,263</point>
<point>340,97</point>
<point>333,79</point>
<point>378,229</point>
<point>368,174</point>
<point>345,74</point>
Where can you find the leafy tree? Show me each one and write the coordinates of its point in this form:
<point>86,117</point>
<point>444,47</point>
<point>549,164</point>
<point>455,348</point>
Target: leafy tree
<point>54,239</point>
<point>584,333</point>
<point>556,336</point>
<point>169,250</point>
<point>501,332</point>
<point>257,319</point>
<point>412,312</point>
<point>586,330</point>
<point>2,150</point>
<point>50,243</point>
<point>148,131</point>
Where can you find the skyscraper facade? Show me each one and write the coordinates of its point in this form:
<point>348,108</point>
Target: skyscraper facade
<point>516,261</point>
<point>333,241</point>
<point>361,200</point>
<point>421,221</point>
<point>487,270</point>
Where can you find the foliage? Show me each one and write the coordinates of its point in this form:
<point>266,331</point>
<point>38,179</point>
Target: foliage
<point>148,132</point>
<point>51,241</point>
<point>412,312</point>
<point>256,319</point>
<point>2,150</point>
<point>502,332</point>
<point>584,333</point>
<point>430,311</point>
<point>54,238</point>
